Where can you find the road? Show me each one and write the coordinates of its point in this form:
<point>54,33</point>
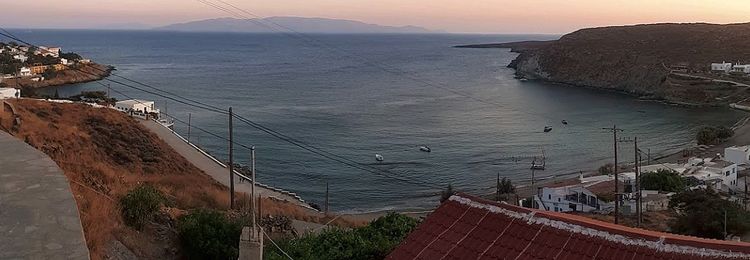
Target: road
<point>210,167</point>
<point>38,215</point>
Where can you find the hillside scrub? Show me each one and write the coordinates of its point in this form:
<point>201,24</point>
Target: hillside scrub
<point>374,241</point>
<point>140,205</point>
<point>105,155</point>
<point>701,213</point>
<point>208,234</point>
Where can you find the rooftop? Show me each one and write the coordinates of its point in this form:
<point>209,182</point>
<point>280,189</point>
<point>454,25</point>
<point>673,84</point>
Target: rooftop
<point>466,227</point>
<point>131,102</point>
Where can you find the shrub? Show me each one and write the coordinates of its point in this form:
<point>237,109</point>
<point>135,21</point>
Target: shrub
<point>209,234</point>
<point>607,169</point>
<point>374,241</point>
<point>140,205</point>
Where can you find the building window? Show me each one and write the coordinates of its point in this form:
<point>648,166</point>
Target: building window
<point>549,196</point>
<point>727,173</point>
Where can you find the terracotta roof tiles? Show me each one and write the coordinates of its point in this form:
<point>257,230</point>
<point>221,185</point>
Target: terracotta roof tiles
<point>465,227</point>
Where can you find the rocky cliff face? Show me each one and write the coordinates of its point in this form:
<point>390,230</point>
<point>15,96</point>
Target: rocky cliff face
<point>639,59</point>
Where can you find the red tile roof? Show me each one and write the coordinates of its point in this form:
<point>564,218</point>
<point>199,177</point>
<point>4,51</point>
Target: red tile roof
<point>466,227</point>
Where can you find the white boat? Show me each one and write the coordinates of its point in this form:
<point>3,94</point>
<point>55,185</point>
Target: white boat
<point>378,157</point>
<point>425,149</point>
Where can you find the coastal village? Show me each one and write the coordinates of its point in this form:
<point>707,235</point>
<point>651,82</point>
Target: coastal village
<point>144,190</point>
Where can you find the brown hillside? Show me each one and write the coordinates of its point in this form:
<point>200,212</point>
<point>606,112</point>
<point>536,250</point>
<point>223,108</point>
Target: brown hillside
<point>638,59</point>
<point>105,154</point>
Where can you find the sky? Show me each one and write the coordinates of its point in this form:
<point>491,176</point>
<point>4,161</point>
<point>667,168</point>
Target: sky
<point>459,16</point>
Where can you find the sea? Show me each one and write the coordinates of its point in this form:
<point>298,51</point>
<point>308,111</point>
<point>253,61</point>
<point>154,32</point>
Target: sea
<point>351,97</point>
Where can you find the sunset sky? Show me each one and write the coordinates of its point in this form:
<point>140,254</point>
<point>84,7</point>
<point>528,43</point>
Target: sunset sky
<point>474,16</point>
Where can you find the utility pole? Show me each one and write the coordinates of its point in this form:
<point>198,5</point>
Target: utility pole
<point>231,162</point>
<point>190,116</point>
<point>326,204</point>
<point>252,189</point>
<point>614,130</point>
<point>108,97</point>
<point>637,182</point>
<point>498,187</point>
<point>649,156</point>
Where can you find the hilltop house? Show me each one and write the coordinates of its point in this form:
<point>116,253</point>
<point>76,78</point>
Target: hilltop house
<point>566,199</point>
<point>21,57</point>
<point>138,108</point>
<point>24,72</point>
<point>724,66</point>
<point>9,93</point>
<point>48,51</point>
<point>741,68</point>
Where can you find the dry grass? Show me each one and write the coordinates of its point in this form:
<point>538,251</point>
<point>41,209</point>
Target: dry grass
<point>105,154</point>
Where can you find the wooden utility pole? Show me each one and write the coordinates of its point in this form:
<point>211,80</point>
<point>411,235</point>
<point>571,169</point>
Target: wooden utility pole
<point>231,162</point>
<point>190,116</point>
<point>498,187</point>
<point>614,130</point>
<point>326,203</point>
<point>252,189</point>
<point>637,182</point>
<point>108,96</point>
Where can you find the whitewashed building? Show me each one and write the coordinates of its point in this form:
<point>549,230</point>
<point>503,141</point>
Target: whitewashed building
<point>738,154</point>
<point>24,72</point>
<point>724,66</point>
<point>9,93</point>
<point>20,57</point>
<point>136,107</point>
<point>48,51</point>
<point>566,199</point>
<point>741,68</point>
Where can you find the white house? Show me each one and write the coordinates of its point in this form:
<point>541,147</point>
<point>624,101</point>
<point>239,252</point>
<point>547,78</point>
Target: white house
<point>741,68</point>
<point>20,57</point>
<point>64,61</point>
<point>724,66</point>
<point>9,93</point>
<point>566,199</point>
<point>24,72</point>
<point>738,154</point>
<point>136,107</point>
<point>717,173</point>
<point>48,51</point>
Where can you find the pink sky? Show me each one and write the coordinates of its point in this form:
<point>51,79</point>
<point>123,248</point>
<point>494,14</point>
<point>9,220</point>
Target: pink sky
<point>472,16</point>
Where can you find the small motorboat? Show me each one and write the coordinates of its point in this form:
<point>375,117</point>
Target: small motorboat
<point>378,157</point>
<point>547,129</point>
<point>523,79</point>
<point>425,149</point>
<point>565,122</point>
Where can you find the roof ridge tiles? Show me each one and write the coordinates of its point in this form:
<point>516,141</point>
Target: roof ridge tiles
<point>662,242</point>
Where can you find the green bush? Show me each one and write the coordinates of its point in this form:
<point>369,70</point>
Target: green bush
<point>209,234</point>
<point>374,241</point>
<point>713,135</point>
<point>140,205</point>
<point>662,180</point>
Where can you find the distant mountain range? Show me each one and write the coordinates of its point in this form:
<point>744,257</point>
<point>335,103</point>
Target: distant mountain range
<point>299,24</point>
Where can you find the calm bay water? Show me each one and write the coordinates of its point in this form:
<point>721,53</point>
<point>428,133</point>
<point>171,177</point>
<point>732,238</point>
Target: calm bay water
<point>349,108</point>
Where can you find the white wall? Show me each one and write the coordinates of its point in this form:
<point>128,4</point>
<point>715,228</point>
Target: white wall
<point>738,155</point>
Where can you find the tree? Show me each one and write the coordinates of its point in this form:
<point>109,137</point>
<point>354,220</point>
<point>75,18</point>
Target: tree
<point>49,73</point>
<point>209,234</point>
<point>713,135</point>
<point>447,193</point>
<point>504,188</point>
<point>662,180</point>
<point>702,212</point>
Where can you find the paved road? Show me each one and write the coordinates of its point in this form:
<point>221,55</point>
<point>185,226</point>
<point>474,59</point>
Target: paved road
<point>209,166</point>
<point>38,215</point>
